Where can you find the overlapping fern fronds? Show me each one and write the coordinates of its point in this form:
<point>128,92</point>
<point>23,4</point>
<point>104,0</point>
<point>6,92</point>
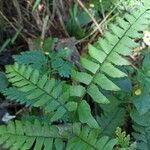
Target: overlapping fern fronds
<point>107,53</point>
<point>113,116</point>
<point>48,94</point>
<point>38,136</point>
<point>58,98</point>
<point>141,128</point>
<point>19,135</point>
<point>52,95</point>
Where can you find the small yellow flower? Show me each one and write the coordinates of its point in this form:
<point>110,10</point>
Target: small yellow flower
<point>46,53</point>
<point>138,92</point>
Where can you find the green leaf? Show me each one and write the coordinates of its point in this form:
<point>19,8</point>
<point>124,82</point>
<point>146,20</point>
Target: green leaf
<point>3,81</point>
<point>105,83</point>
<point>82,77</point>
<point>85,116</point>
<point>141,130</point>
<point>72,106</point>
<point>116,59</point>
<point>36,4</point>
<point>34,58</point>
<point>112,71</point>
<point>97,54</point>
<point>76,90</point>
<point>60,63</point>
<point>142,103</point>
<point>89,65</point>
<point>97,96</point>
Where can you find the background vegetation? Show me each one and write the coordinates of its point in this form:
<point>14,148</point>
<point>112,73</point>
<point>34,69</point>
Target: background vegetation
<point>76,74</point>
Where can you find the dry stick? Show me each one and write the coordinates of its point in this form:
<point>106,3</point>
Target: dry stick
<point>25,31</point>
<point>44,29</point>
<point>62,22</point>
<point>101,23</point>
<point>53,10</point>
<point>12,25</point>
<point>37,19</point>
<point>93,19</point>
<point>20,111</point>
<point>16,5</point>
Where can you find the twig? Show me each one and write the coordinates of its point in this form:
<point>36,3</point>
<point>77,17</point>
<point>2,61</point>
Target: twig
<point>24,30</point>
<point>53,10</point>
<point>61,22</point>
<point>37,19</point>
<point>12,25</point>
<point>16,5</point>
<point>90,15</point>
<point>20,111</point>
<point>101,23</point>
<point>44,28</point>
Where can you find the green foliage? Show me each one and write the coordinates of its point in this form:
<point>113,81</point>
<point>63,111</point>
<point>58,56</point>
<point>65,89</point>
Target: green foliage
<point>13,94</point>
<point>25,135</point>
<point>60,64</point>
<point>36,59</point>
<point>142,101</point>
<point>42,92</point>
<point>142,130</point>
<point>51,95</point>
<point>3,81</point>
<point>88,97</point>
<point>36,4</point>
<point>85,115</point>
<point>123,139</point>
<point>77,19</point>
<point>102,5</point>
<point>88,139</point>
<point>106,54</point>
<point>113,116</point>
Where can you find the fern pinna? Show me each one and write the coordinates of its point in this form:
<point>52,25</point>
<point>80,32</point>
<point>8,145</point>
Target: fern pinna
<point>59,98</point>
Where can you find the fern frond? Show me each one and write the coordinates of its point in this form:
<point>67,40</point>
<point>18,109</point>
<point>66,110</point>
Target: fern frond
<point>141,130</point>
<point>13,94</point>
<point>25,135</point>
<point>34,58</point>
<point>88,139</point>
<point>141,101</point>
<point>113,116</point>
<point>51,95</point>
<point>60,64</point>
<point>43,92</point>
<point>109,121</point>
<point>106,55</point>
